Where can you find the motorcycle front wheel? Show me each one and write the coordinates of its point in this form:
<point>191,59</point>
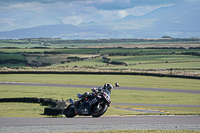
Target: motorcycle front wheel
<point>69,112</point>
<point>97,112</point>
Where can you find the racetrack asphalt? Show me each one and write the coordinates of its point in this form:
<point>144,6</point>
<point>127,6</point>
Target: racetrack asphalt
<point>91,86</point>
<point>23,125</point>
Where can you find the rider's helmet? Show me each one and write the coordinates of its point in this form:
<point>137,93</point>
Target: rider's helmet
<point>108,87</point>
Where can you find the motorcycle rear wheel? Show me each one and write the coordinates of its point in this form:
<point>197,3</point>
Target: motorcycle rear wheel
<point>99,112</point>
<point>69,112</point>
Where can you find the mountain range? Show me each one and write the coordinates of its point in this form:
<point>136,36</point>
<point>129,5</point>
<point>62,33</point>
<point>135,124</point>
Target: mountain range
<point>177,21</point>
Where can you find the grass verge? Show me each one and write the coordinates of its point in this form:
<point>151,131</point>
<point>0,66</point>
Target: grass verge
<point>21,110</point>
<point>117,96</point>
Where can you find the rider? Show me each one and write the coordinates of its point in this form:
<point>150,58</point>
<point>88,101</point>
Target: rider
<point>106,88</point>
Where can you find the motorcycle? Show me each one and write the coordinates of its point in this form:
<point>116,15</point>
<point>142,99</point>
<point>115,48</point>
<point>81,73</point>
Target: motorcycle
<point>95,104</point>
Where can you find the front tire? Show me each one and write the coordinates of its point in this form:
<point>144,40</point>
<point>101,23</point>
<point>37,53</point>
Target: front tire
<point>97,112</point>
<point>69,112</point>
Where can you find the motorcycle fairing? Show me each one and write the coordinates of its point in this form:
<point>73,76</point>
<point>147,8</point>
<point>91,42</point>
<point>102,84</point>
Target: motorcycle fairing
<point>107,97</point>
<point>86,105</point>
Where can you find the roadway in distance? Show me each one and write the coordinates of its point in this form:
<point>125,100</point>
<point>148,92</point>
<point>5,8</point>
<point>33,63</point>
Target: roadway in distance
<point>90,86</point>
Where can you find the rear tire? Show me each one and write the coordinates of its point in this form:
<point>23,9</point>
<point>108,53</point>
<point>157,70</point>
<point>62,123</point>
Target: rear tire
<point>69,112</point>
<point>99,112</point>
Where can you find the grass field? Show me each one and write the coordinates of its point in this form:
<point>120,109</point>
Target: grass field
<point>133,58</point>
<point>143,62</point>
<point>11,56</point>
<point>56,58</point>
<point>60,51</point>
<point>86,63</point>
<point>12,65</point>
<point>136,51</point>
<point>21,110</point>
<point>133,62</point>
<point>141,51</point>
<point>58,43</point>
<point>136,55</point>
<point>154,58</point>
<point>90,79</point>
<point>160,66</point>
<point>117,96</point>
<point>10,60</point>
<point>23,50</point>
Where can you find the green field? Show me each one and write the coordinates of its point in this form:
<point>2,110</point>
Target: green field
<point>133,62</point>
<point>90,79</point>
<point>118,51</point>
<point>60,43</point>
<point>118,96</point>
<point>155,58</point>
<point>12,60</point>
<point>22,50</point>
<point>142,51</point>
<point>168,56</point>
<point>142,62</point>
<point>124,54</point>
<point>11,56</point>
<point>173,65</point>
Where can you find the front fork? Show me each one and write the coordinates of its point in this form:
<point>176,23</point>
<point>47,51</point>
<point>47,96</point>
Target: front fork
<point>73,103</point>
<point>98,105</point>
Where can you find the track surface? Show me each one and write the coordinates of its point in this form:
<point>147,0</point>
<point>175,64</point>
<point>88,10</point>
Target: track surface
<point>14,125</point>
<point>90,86</point>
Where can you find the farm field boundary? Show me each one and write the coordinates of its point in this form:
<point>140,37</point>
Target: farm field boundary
<point>101,73</point>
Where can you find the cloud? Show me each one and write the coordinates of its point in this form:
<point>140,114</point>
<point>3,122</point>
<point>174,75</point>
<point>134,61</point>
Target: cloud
<point>135,25</point>
<point>72,11</point>
<point>125,4</point>
<point>17,18</point>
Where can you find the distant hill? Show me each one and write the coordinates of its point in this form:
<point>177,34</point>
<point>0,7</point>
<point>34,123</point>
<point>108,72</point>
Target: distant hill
<point>59,31</point>
<point>176,21</point>
<point>40,31</point>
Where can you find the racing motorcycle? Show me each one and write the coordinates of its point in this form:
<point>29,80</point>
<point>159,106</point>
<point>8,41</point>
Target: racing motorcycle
<point>95,104</point>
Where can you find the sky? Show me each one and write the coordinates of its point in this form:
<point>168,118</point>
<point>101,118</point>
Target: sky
<point>17,14</point>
